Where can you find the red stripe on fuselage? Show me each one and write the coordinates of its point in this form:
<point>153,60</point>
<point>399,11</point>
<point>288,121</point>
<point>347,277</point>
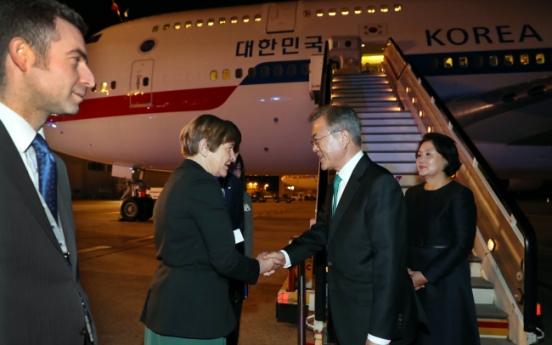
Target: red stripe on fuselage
<point>162,102</point>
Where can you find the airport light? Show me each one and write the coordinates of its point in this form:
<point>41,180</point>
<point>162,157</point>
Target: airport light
<point>421,113</point>
<point>430,129</point>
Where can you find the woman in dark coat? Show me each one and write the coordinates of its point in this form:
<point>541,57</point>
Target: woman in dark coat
<point>442,221</point>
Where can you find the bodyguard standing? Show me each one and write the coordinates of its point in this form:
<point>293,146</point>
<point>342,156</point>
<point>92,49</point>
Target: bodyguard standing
<point>43,71</point>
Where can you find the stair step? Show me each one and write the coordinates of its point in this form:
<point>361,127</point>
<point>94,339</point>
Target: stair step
<point>365,99</point>
<point>363,88</point>
<point>400,168</point>
<point>392,104</point>
<point>362,93</point>
<point>374,109</point>
<point>358,83</point>
<point>475,265</point>
<point>391,147</point>
<point>490,311</point>
<point>495,341</point>
<point>388,122</point>
<point>483,291</point>
<point>380,138</point>
<point>362,76</point>
<point>402,157</point>
<point>389,129</point>
<point>384,115</point>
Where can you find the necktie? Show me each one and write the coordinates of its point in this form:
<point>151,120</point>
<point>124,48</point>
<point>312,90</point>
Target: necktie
<point>336,182</point>
<point>47,173</point>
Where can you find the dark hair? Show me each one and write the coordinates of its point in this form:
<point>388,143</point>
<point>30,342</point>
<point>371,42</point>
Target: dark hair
<point>446,147</point>
<point>235,134</point>
<point>239,160</point>
<point>215,130</point>
<point>339,117</point>
<point>35,22</point>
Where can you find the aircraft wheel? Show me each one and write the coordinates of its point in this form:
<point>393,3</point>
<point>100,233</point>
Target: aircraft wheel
<point>131,209</point>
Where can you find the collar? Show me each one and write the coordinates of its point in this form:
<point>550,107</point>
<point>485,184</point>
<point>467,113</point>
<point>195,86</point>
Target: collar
<point>18,128</point>
<point>347,170</point>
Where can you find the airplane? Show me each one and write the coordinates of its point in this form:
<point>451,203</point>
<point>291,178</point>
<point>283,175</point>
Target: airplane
<point>250,64</point>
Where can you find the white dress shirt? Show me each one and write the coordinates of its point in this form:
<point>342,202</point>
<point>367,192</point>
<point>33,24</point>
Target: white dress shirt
<point>345,174</point>
<point>23,135</point>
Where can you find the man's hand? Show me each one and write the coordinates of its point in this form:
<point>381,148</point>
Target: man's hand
<point>268,264</point>
<point>418,279</point>
<point>278,257</point>
<point>368,342</point>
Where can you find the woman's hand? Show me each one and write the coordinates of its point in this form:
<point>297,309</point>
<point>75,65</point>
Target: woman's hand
<point>418,279</point>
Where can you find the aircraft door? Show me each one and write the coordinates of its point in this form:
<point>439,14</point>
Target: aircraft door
<point>281,17</point>
<point>141,81</point>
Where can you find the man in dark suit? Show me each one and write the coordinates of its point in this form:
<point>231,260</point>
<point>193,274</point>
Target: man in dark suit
<point>43,71</point>
<point>371,299</point>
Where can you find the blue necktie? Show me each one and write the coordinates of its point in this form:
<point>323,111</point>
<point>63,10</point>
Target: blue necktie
<point>336,181</point>
<point>47,173</point>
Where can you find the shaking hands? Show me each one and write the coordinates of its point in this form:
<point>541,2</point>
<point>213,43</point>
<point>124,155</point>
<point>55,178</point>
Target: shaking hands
<point>270,262</point>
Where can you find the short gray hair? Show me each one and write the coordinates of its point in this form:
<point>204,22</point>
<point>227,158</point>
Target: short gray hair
<point>339,117</point>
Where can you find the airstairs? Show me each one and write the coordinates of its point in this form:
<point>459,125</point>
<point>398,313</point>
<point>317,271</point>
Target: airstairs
<point>396,108</point>
<point>390,136</point>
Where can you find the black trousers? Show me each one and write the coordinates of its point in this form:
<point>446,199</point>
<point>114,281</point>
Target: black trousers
<point>232,338</point>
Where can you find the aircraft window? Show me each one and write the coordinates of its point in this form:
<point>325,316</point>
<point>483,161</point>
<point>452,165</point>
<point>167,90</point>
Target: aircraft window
<point>257,17</point>
<point>306,13</point>
<point>252,72</point>
<point>93,89</point>
<point>94,166</point>
<point>277,71</point>
<point>524,59</point>
<point>104,87</point>
<point>305,68</point>
<point>291,70</point>
<point>199,23</point>
<point>188,24</point>
<point>155,28</point>
<point>239,73</point>
<point>434,62</point>
<point>145,82</point>
<point>371,9</point>
<point>358,10</point>
<point>463,61</point>
<point>177,26</point>
<point>222,21</point>
<point>384,8</point>
<point>493,60</point>
<point>226,74</point>
<point>508,60</point>
<point>166,27</point>
<point>448,62</point>
<point>211,22</point>
<point>478,61</point>
<point>398,8</point>
<point>540,59</point>
<point>113,85</point>
<point>214,75</point>
<point>332,12</point>
<point>319,13</point>
<point>245,19</point>
<point>265,71</point>
<point>344,11</point>
<point>234,20</point>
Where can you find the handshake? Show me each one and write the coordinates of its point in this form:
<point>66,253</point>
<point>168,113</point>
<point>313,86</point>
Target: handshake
<point>270,262</point>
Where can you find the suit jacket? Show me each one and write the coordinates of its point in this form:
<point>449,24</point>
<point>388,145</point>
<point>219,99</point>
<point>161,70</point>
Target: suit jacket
<point>40,293</point>
<point>188,295</point>
<point>233,199</point>
<point>368,286</point>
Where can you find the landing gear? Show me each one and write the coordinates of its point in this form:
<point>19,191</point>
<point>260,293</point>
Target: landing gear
<point>137,209</point>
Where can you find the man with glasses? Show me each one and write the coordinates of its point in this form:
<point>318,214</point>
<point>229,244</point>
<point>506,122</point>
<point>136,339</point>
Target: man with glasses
<point>363,227</point>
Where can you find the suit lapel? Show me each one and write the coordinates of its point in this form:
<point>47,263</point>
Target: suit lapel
<point>348,194</point>
<point>19,176</point>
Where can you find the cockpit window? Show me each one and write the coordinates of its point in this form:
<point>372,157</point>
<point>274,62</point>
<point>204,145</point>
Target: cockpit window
<point>94,38</point>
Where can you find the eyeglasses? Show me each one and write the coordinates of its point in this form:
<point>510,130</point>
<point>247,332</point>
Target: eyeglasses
<point>316,141</point>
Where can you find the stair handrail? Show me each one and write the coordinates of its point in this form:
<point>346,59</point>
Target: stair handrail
<point>529,301</point>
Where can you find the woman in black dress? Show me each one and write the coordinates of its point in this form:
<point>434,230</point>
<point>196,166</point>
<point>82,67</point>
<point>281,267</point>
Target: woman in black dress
<point>442,220</point>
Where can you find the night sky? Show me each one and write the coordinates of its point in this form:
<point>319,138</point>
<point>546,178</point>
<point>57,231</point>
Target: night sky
<point>99,15</point>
